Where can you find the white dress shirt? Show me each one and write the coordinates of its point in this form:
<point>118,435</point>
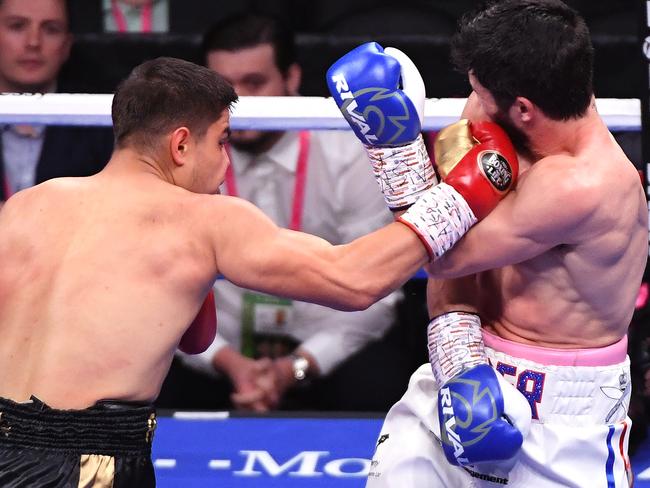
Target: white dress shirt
<point>342,202</point>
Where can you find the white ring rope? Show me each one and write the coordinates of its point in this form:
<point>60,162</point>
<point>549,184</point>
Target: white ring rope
<point>265,113</point>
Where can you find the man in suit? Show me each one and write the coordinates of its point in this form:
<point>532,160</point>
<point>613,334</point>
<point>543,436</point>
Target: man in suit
<point>34,44</point>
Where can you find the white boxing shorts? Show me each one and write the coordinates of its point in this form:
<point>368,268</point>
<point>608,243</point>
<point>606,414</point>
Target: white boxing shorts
<point>579,435</point>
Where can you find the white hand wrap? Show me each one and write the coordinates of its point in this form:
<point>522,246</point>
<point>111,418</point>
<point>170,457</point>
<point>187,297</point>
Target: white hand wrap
<point>403,172</point>
<point>440,217</point>
<point>455,344</point>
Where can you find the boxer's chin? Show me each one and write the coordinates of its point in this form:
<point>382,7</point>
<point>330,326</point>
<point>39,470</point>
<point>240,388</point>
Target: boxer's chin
<point>253,141</point>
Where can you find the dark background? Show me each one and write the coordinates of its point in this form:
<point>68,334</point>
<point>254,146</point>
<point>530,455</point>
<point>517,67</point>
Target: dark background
<point>327,29</point>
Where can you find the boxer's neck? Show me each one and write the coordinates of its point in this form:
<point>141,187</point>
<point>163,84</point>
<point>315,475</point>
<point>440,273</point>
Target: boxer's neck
<point>128,160</point>
<point>552,137</point>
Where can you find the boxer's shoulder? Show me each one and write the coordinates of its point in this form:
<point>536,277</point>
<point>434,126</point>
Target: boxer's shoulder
<point>561,176</point>
<point>33,199</point>
<point>219,213</point>
<point>556,201</point>
<point>219,204</point>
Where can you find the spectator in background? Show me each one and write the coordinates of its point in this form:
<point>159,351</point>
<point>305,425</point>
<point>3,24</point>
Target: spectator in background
<point>136,15</point>
<point>34,43</point>
<point>274,353</point>
<point>147,16</point>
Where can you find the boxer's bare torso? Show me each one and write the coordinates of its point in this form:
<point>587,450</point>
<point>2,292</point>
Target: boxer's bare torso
<point>101,276</point>
<point>569,247</point>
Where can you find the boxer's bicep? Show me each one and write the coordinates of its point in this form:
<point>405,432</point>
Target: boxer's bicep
<point>287,263</point>
<point>492,243</point>
<point>298,266</point>
<point>252,252</point>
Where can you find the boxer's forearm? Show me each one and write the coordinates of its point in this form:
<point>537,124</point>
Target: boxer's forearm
<point>346,277</point>
<point>356,275</point>
<point>460,294</point>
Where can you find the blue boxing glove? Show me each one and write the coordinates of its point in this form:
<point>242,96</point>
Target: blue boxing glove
<point>365,84</point>
<point>483,418</point>
<point>381,94</point>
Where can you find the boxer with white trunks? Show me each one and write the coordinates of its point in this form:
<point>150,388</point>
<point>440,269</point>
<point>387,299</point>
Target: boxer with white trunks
<point>578,435</point>
<point>528,382</point>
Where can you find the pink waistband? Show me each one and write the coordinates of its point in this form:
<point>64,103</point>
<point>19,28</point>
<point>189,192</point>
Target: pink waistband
<point>599,356</point>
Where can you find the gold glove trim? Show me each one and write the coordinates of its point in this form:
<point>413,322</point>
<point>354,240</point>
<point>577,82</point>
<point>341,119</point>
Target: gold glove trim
<point>452,143</point>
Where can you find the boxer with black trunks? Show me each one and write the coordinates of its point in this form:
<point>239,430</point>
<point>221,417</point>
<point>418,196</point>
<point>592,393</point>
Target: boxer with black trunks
<point>528,382</point>
<point>103,277</point>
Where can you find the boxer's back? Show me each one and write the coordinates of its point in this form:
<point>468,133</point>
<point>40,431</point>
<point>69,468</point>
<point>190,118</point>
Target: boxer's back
<point>97,271</point>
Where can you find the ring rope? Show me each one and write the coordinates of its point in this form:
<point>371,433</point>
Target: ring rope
<point>265,113</point>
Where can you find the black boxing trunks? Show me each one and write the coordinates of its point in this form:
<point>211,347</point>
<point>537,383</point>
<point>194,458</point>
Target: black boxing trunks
<point>105,446</point>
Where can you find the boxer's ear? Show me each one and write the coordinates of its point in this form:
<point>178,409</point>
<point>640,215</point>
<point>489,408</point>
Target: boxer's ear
<point>179,144</point>
<point>522,110</point>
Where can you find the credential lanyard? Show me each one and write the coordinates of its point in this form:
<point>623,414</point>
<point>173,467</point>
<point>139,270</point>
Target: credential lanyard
<point>298,188</point>
<point>120,20</point>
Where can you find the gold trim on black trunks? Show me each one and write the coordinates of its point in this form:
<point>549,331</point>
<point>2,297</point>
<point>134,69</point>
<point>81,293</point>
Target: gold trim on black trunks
<point>96,471</point>
<point>152,423</point>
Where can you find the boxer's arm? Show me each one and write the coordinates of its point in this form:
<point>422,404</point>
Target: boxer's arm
<point>462,294</point>
<point>458,359</point>
<point>254,253</point>
<point>550,206</point>
<point>473,428</point>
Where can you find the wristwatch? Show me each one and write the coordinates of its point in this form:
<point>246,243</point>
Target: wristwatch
<point>300,367</point>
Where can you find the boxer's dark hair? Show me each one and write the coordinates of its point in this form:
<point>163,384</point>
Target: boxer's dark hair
<point>247,30</point>
<point>166,93</point>
<point>538,49</point>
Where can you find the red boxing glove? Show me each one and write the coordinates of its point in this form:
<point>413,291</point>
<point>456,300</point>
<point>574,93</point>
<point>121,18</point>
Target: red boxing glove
<point>478,165</point>
<point>487,172</point>
<point>202,330</point>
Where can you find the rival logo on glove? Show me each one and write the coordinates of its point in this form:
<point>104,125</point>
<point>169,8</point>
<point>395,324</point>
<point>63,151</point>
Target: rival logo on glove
<point>350,105</point>
<point>496,169</point>
<point>450,435</point>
